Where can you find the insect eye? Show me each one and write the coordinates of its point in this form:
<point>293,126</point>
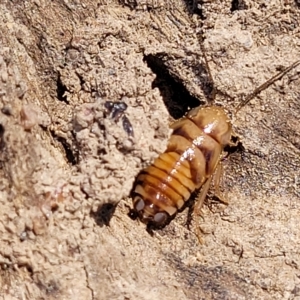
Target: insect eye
<point>160,218</point>
<point>139,203</point>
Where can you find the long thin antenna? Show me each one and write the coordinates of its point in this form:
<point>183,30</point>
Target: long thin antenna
<point>213,91</point>
<point>266,85</point>
<point>211,80</point>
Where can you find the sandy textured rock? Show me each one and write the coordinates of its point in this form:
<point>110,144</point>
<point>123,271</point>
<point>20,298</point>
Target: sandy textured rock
<point>67,166</point>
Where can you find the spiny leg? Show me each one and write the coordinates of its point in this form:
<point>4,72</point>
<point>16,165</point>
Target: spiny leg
<point>217,178</point>
<point>198,206</point>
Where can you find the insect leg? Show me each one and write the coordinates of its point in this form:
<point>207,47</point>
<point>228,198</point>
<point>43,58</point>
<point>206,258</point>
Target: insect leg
<point>217,178</point>
<point>213,92</point>
<point>199,204</point>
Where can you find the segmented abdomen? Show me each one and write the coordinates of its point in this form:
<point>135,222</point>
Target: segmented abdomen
<point>192,154</point>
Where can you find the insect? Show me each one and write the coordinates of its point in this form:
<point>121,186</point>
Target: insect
<point>117,111</point>
<point>192,159</point>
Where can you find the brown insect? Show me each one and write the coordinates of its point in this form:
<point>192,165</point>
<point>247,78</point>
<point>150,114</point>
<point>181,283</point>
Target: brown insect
<point>191,160</point>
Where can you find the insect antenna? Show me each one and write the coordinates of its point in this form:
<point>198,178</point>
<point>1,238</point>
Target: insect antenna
<point>265,85</point>
<point>213,91</point>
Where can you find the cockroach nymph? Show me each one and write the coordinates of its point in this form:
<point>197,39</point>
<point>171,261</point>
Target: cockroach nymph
<point>117,111</point>
<point>190,162</point>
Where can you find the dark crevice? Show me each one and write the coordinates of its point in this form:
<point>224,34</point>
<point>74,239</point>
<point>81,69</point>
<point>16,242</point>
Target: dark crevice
<point>262,6</point>
<point>3,153</point>
<point>101,152</point>
<point>238,5</point>
<point>176,97</point>
<point>2,143</point>
<point>60,90</point>
<point>194,7</point>
<point>6,110</point>
<point>197,4</point>
<point>235,148</point>
<point>104,214</point>
<point>82,81</point>
<point>71,157</point>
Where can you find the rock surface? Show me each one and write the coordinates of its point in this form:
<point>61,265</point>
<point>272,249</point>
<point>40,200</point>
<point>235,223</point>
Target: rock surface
<point>67,166</point>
